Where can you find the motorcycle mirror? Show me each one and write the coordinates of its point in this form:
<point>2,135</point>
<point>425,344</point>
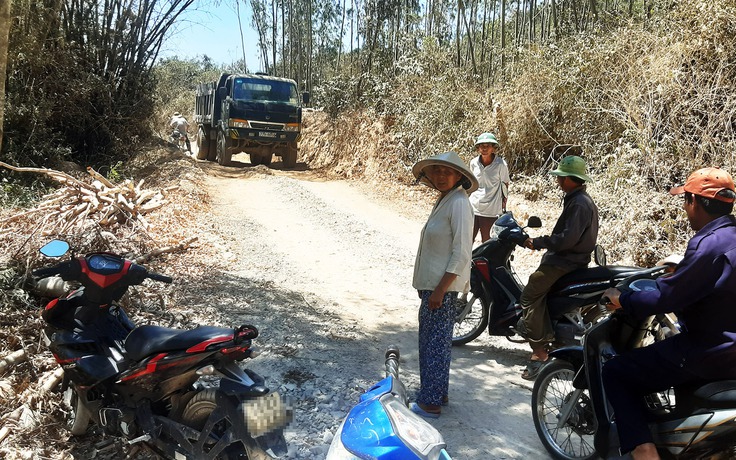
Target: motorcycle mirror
<point>534,222</point>
<point>55,248</point>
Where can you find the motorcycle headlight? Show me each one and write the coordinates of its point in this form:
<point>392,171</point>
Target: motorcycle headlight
<point>413,430</point>
<point>337,449</point>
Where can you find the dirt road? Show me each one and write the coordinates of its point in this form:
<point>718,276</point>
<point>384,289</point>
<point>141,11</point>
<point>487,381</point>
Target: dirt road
<point>324,268</point>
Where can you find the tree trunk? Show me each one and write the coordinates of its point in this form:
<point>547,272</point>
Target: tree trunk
<point>4,36</point>
<point>503,39</point>
<point>274,31</point>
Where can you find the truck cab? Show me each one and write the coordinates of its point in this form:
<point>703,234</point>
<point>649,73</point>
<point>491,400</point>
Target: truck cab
<point>253,113</point>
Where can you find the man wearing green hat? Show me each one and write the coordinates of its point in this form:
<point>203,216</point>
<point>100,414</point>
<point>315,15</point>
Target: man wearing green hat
<point>569,247</point>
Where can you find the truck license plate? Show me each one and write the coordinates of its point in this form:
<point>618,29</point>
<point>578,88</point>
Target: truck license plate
<point>266,134</point>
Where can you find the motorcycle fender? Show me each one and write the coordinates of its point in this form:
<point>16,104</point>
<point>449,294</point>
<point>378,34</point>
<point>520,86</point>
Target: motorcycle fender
<point>244,384</point>
<point>91,370</point>
<point>575,356</point>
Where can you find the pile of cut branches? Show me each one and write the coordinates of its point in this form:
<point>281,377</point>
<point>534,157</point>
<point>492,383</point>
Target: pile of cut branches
<point>105,203</point>
<point>92,213</point>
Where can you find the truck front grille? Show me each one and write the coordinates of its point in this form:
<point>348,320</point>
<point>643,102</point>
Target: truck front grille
<point>267,126</point>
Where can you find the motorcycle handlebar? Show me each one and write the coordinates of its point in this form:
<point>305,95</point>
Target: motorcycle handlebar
<point>44,272</point>
<point>67,270</point>
<point>392,362</point>
<point>162,278</point>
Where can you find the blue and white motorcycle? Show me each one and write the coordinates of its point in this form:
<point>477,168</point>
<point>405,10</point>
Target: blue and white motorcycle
<point>381,426</point>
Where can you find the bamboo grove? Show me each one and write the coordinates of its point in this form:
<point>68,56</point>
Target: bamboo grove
<point>311,40</point>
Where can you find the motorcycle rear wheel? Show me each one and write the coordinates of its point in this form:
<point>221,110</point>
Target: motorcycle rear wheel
<point>197,413</point>
<point>468,327</point>
<point>552,389</point>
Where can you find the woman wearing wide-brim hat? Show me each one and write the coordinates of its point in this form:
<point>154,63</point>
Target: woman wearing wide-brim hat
<point>441,271</point>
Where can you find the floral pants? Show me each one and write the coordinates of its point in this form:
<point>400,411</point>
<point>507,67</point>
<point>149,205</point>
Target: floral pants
<point>435,344</point>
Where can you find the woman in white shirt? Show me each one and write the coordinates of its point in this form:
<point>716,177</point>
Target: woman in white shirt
<point>441,271</point>
<point>489,201</point>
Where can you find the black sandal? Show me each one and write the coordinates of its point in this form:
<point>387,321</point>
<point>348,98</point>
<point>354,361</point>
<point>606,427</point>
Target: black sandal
<point>532,369</point>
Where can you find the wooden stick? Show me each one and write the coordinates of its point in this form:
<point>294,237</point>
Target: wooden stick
<point>51,381</point>
<point>13,358</point>
<point>56,175</point>
<point>178,247</point>
<point>99,177</point>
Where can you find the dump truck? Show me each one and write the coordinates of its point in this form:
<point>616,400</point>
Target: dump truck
<point>253,113</point>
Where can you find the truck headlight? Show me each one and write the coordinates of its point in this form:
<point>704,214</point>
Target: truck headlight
<point>237,123</point>
<point>291,127</point>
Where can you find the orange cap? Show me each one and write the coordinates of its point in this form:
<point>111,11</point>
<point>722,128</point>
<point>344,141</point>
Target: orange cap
<point>707,182</point>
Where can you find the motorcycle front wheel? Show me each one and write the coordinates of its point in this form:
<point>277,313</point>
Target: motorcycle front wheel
<point>471,319</point>
<point>78,417</point>
<point>553,393</point>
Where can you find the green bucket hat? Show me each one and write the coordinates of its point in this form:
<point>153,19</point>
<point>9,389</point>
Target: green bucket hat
<point>572,166</point>
<point>486,138</point>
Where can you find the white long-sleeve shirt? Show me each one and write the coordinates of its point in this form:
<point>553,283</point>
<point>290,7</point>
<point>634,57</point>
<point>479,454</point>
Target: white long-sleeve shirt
<point>487,200</point>
<point>446,244</point>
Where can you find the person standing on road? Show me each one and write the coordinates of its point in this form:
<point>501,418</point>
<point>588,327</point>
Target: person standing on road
<point>489,201</point>
<point>701,293</point>
<point>569,247</point>
<point>441,271</point>
<point>180,124</point>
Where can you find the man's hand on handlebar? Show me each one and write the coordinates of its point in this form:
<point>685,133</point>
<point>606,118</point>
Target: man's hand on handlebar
<point>611,299</point>
<point>529,243</point>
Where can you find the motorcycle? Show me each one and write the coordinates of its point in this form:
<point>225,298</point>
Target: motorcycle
<point>180,139</point>
<point>180,392</point>
<point>495,290</point>
<point>572,416</point>
<point>382,427</point>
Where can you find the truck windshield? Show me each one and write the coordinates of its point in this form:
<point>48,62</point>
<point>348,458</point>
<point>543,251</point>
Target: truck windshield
<point>254,89</point>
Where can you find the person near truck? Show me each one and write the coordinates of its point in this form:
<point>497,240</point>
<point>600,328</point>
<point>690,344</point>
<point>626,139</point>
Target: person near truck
<point>701,293</point>
<point>180,124</point>
<point>489,201</point>
<point>441,271</point>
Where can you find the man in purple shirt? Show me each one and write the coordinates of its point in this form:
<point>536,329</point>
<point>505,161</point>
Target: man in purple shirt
<point>702,292</point>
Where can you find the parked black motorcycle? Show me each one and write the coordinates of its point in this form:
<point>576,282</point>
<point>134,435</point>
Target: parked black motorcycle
<point>495,290</point>
<point>181,392</point>
<point>574,421</point>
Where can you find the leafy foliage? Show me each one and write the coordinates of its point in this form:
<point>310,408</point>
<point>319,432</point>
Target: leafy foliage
<point>79,84</point>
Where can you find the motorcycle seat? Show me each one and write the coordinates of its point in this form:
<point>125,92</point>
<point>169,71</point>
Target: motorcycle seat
<point>587,275</point>
<point>716,395</point>
<point>146,340</point>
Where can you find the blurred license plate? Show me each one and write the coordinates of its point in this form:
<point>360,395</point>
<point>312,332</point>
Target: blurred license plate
<point>266,134</point>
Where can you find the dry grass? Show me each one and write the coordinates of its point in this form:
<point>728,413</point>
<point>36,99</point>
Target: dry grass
<point>644,105</point>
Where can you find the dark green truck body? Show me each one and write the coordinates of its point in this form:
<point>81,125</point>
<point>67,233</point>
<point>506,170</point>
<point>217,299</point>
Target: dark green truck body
<point>257,114</point>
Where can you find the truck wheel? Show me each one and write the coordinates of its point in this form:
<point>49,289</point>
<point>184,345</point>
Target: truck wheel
<point>266,159</point>
<point>223,151</point>
<point>212,151</point>
<point>255,159</point>
<point>289,158</point>
<point>203,144</point>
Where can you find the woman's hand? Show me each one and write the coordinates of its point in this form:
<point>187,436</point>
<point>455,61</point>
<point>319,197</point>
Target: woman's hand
<point>438,294</point>
<point>435,300</point>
